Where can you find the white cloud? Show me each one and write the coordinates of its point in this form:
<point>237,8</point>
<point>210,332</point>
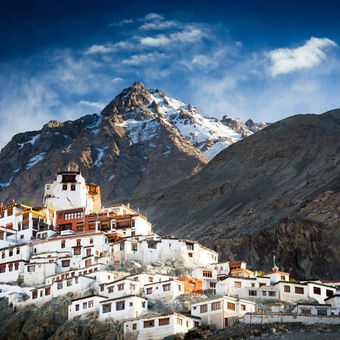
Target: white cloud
<point>117,79</point>
<point>188,35</point>
<point>122,22</point>
<point>158,25</point>
<point>139,59</point>
<point>153,16</point>
<point>99,49</point>
<point>109,48</point>
<point>95,105</point>
<point>286,60</point>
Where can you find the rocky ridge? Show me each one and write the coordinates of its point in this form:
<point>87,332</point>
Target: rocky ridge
<point>142,141</point>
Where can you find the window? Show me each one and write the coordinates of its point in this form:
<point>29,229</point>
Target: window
<point>110,289</point>
<point>73,187</point>
<point>216,305</point>
<point>63,244</point>
<point>148,291</point>
<point>306,311</point>
<point>252,293</point>
<point>10,253</point>
<point>149,323</point>
<point>3,255</point>
<point>47,291</point>
<point>121,246</point>
<point>59,285</point>
<point>286,289</point>
<point>121,286</point>
<point>77,251</point>
<point>283,277</point>
<point>243,307</point>
<point>78,242</point>
<point>207,273</point>
<point>92,225</point>
<point>179,287</point>
<point>264,293</point>
<point>132,287</point>
<point>271,293</point>
<point>69,283</point>
<point>190,254</point>
<point>64,186</point>
<point>120,305</point>
<point>31,269</point>
<point>262,284</point>
<point>77,307</point>
<point>164,322</point>
<point>34,294</point>
<point>131,304</point>
<point>322,311</point>
<point>134,246</point>
<point>166,287</point>
<point>18,251</point>
<point>238,284</point>
<point>84,305</point>
<point>91,240</point>
<point>150,279</point>
<point>203,308</point>
<point>152,245</point>
<point>91,304</point>
<point>179,321</point>
<point>231,306</point>
<point>299,290</point>
<point>65,263</point>
<point>107,308</point>
<point>2,269</point>
<point>60,216</point>
<point>253,285</point>
<point>329,292</point>
<point>190,246</point>
<point>317,290</point>
<point>134,326</point>
<point>88,252</point>
<point>16,266</point>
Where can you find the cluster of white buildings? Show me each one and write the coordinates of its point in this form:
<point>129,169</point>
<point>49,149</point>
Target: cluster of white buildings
<point>73,245</point>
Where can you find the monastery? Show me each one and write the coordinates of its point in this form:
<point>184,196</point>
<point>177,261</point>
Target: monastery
<point>116,268</point>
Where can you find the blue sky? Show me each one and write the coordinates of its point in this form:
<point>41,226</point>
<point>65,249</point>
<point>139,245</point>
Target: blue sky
<point>264,60</point>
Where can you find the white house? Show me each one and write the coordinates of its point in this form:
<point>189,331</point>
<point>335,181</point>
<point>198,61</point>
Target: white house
<point>243,287</point>
<point>165,290</point>
<point>221,312</point>
<point>68,191</point>
<point>312,309</point>
<point>122,287</point>
<point>276,276</point>
<point>334,301</point>
<point>161,249</point>
<point>125,307</point>
<point>294,292</point>
<point>85,305</point>
<point>208,276</point>
<point>157,327</point>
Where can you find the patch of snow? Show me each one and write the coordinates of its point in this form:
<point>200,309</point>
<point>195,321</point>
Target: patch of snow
<point>5,185</point>
<point>98,119</point>
<point>140,130</point>
<point>34,160</point>
<point>99,162</point>
<point>167,151</point>
<point>215,149</point>
<point>111,178</point>
<point>31,141</point>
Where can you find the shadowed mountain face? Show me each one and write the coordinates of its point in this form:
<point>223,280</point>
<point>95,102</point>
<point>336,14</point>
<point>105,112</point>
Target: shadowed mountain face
<point>141,142</point>
<point>276,192</point>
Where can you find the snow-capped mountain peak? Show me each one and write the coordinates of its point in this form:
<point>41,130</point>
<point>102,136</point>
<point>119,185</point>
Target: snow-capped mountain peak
<point>141,111</point>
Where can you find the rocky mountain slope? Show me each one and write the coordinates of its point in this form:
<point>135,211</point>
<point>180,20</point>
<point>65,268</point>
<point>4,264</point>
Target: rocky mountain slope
<point>276,192</point>
<point>142,141</point>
